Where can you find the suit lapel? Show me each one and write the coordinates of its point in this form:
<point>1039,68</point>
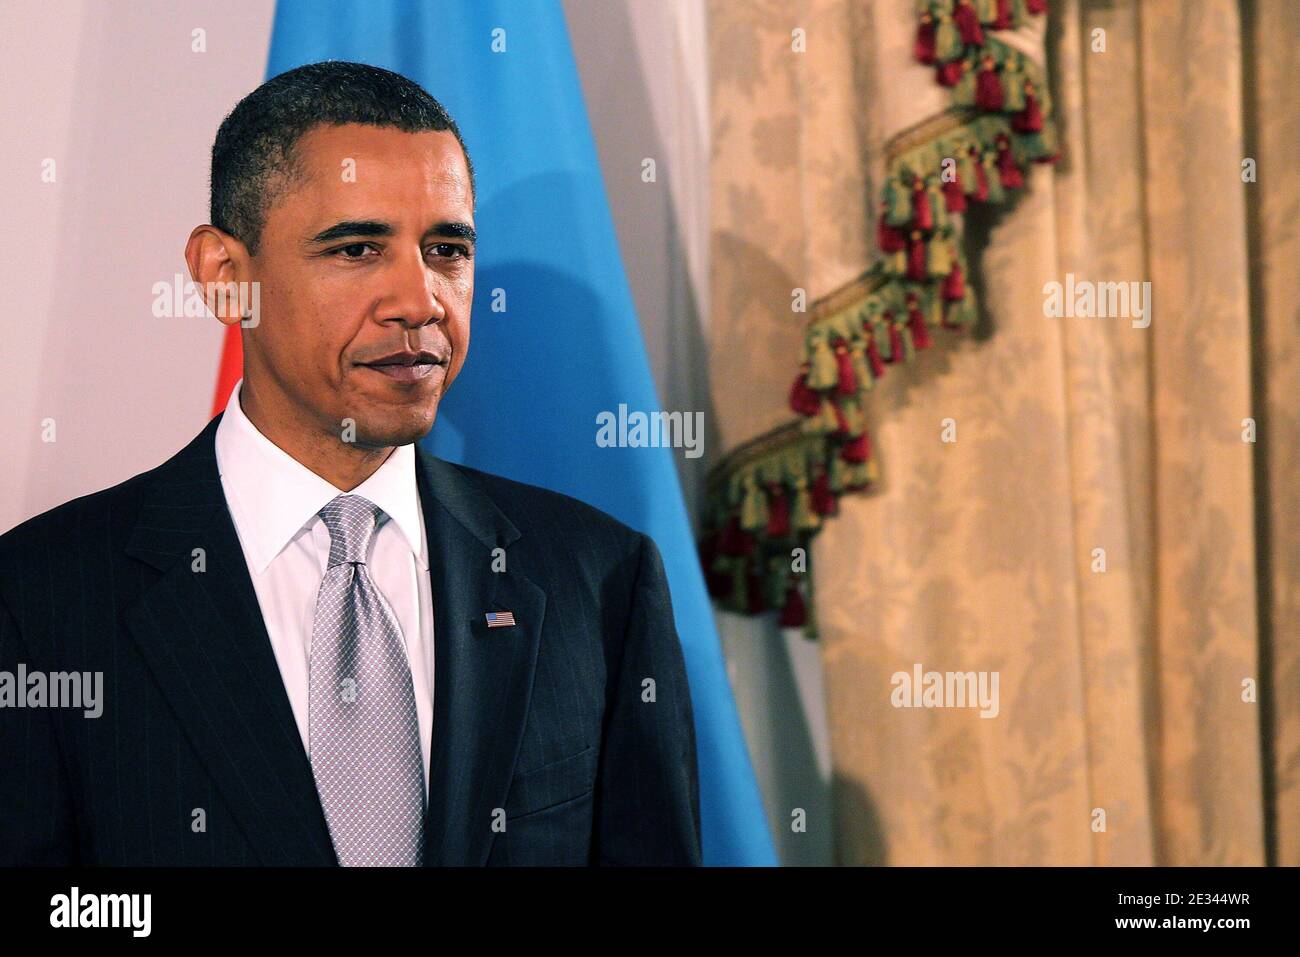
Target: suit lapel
<point>202,634</point>
<point>482,677</point>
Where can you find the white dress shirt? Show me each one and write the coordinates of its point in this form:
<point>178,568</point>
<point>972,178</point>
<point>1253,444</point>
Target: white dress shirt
<point>273,500</point>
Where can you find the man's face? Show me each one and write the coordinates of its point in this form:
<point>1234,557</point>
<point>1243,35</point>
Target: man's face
<point>367,278</point>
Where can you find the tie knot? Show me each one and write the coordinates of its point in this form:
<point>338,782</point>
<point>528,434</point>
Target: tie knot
<point>351,520</point>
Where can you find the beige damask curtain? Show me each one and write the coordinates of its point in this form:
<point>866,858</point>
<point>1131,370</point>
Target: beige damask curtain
<point>1149,712</point>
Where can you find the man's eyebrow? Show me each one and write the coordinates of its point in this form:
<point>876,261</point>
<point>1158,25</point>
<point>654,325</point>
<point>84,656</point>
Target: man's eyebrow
<point>372,227</point>
<point>458,230</point>
<point>352,227</point>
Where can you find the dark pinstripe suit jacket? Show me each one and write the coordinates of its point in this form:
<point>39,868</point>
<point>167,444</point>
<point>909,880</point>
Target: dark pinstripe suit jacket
<point>545,749</point>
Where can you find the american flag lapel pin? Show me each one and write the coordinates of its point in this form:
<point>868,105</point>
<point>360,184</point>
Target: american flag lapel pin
<point>500,619</point>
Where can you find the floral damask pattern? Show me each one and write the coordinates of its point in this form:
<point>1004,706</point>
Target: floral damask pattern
<point>1122,736</point>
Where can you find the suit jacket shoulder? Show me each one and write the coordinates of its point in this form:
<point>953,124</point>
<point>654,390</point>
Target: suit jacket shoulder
<point>534,509</point>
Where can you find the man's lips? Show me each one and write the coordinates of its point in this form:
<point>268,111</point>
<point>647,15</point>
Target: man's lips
<point>406,366</point>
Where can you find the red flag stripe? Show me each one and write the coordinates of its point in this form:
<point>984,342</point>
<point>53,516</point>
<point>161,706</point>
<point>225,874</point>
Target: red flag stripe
<point>228,373</point>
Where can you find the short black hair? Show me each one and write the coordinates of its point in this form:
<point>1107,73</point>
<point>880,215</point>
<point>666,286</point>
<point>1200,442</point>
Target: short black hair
<point>253,157</point>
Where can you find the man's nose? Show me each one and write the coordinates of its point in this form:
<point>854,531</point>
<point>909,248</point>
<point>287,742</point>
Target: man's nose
<point>411,293</point>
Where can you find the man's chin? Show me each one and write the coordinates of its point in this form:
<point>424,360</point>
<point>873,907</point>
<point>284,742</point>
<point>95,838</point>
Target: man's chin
<point>394,430</point>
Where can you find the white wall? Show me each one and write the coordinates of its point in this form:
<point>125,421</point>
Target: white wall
<point>113,94</point>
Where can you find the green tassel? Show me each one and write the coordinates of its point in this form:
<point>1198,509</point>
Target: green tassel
<point>1019,13</point>
<point>753,511</point>
<point>996,193</point>
<point>965,312</point>
<point>852,415</point>
<point>987,10</point>
<point>735,491</point>
<point>934,306</point>
<point>896,263</point>
<point>882,340</point>
<point>947,39</point>
<point>866,382</point>
<point>909,349</point>
<point>828,418</point>
<point>1013,88</point>
<point>1039,145</point>
<point>965,169</point>
<point>802,515</point>
<point>938,257</point>
<point>938,208</point>
<point>963,94</point>
<point>898,203</point>
<point>838,475</point>
<point>822,371</point>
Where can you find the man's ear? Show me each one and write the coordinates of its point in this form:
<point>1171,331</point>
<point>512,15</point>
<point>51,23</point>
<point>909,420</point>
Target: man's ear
<point>218,265</point>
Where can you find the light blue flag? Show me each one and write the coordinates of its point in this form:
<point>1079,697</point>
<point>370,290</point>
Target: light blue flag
<point>568,345</point>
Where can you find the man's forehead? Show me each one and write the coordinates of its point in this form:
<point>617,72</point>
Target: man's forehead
<point>328,150</point>
<point>382,167</point>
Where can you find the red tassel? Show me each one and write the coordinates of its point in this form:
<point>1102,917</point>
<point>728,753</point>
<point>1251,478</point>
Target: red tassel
<point>848,384</point>
<point>924,50</point>
<point>916,322</point>
<point>949,74</point>
<point>916,258</point>
<point>793,614</point>
<point>889,238</point>
<point>895,340</point>
<point>803,399</point>
<point>873,351</point>
<point>778,510</point>
<point>1036,6</point>
<point>954,284</point>
<point>735,540</point>
<point>1030,120</point>
<point>981,193</point>
<point>823,499</point>
<point>922,216</point>
<point>1003,21</point>
<point>858,449</point>
<point>954,199</point>
<point>988,88</point>
<point>1009,172</point>
<point>968,23</point>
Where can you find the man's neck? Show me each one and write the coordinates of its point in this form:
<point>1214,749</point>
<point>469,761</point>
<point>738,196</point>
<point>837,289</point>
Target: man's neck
<point>343,464</point>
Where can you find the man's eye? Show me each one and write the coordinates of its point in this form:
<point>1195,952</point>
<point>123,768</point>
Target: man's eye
<point>455,248</point>
<point>353,250</point>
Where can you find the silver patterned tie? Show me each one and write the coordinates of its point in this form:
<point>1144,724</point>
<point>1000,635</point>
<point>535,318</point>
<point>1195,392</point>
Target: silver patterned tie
<point>363,733</point>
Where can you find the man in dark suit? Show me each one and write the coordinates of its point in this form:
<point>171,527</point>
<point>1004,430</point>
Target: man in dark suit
<point>319,645</point>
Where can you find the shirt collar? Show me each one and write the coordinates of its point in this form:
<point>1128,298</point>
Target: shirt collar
<point>273,496</point>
